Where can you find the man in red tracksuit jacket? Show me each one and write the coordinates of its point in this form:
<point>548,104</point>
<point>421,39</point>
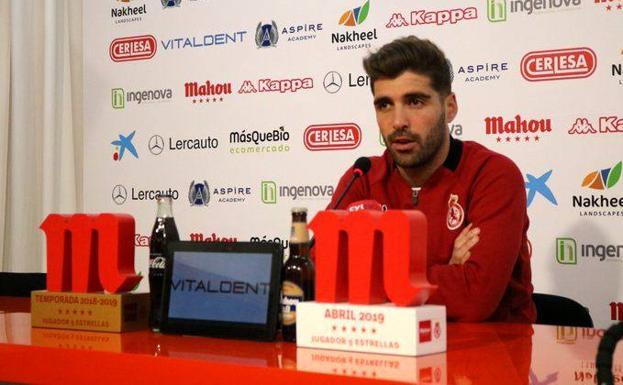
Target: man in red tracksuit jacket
<point>474,199</point>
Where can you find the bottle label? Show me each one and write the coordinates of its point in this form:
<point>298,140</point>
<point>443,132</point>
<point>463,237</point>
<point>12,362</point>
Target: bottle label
<point>299,233</point>
<point>291,295</point>
<point>156,261</point>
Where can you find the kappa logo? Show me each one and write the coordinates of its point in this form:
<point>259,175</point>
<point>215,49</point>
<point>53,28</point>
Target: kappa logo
<point>282,85</point>
<point>440,17</point>
<point>558,64</point>
<point>607,125</point>
<point>266,35</point>
<point>324,137</point>
<point>456,214</point>
<point>133,48</point>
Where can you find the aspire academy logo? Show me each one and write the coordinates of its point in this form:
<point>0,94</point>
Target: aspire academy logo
<point>324,137</point>
<point>440,17</point>
<point>132,48</point>
<point>558,64</point>
<point>605,125</point>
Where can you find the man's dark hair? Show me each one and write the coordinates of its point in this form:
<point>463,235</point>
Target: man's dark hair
<point>410,53</point>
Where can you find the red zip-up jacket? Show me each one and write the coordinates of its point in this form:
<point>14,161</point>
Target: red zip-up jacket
<point>474,185</point>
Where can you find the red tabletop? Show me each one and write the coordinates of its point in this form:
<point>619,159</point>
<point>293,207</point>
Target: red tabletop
<point>487,353</point>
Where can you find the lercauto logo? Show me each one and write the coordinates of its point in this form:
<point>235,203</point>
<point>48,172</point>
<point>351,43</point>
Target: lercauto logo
<point>356,16</point>
<point>122,144</point>
<point>323,137</point>
<point>604,179</point>
<point>536,185</point>
<point>133,48</point>
<point>558,64</point>
<point>566,251</point>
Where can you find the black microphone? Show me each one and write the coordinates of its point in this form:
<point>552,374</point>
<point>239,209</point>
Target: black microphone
<point>360,168</point>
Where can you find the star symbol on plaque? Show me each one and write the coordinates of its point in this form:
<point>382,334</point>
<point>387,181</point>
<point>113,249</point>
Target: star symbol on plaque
<point>536,138</point>
<point>499,139</point>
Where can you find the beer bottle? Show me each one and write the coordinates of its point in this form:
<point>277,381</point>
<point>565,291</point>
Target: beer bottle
<point>297,275</point>
<point>164,231</point>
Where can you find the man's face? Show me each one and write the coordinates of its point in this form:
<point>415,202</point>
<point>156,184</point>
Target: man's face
<point>412,118</point>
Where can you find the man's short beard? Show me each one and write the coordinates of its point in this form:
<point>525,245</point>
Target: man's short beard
<point>428,147</point>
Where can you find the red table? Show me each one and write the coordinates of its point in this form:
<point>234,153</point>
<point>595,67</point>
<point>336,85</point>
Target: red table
<point>477,354</point>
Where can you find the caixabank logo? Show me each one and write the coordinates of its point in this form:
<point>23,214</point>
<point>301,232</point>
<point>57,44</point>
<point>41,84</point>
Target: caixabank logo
<point>558,64</point>
<point>337,136</point>
<point>271,192</point>
<point>208,92</point>
<point>571,252</point>
<point>518,129</point>
<point>498,10</point>
<point>130,13</point>
<point>434,17</point>
<point>606,204</point>
<point>132,48</point>
<point>354,38</point>
<point>604,125</point>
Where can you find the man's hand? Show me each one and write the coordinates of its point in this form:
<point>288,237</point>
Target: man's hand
<point>463,244</point>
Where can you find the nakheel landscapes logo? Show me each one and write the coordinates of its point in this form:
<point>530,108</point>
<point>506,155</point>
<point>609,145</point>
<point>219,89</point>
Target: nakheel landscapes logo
<point>600,205</point>
<point>354,39</point>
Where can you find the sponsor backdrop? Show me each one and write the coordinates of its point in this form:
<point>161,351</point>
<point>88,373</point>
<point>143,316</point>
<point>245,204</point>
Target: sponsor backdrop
<point>243,111</point>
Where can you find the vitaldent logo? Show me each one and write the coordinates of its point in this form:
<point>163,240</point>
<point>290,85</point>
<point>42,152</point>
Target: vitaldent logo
<point>600,205</point>
<point>205,93</point>
<point>440,17</point>
<point>243,142</point>
<point>538,185</point>
<point>324,137</point>
<point>127,14</point>
<point>568,253</point>
<point>481,72</point>
<point>517,130</point>
<point>352,39</point>
<point>208,40</point>
<point>120,97</point>
<point>270,192</point>
<point>558,64</point>
<point>132,48</point>
<point>605,125</point>
<point>271,85</point>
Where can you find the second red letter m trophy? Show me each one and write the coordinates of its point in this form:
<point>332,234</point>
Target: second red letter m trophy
<point>371,286</point>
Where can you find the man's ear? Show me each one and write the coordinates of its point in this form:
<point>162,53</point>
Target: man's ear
<point>452,108</point>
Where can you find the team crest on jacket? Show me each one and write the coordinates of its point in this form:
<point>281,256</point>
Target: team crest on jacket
<point>456,214</point>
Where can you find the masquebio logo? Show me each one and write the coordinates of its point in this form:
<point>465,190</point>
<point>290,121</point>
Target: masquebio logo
<point>558,64</point>
<point>605,125</point>
<point>438,17</point>
<point>538,185</point>
<point>324,137</point>
<point>132,48</point>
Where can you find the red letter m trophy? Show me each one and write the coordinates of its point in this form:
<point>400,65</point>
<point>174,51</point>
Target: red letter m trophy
<point>90,271</point>
<point>371,286</point>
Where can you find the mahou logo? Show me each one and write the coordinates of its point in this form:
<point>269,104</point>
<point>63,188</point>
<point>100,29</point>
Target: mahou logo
<point>558,64</point>
<point>207,91</point>
<point>324,137</point>
<point>517,129</point>
<point>440,17</point>
<point>133,48</point>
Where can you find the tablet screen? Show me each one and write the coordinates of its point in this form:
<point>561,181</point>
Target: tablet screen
<point>218,286</point>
